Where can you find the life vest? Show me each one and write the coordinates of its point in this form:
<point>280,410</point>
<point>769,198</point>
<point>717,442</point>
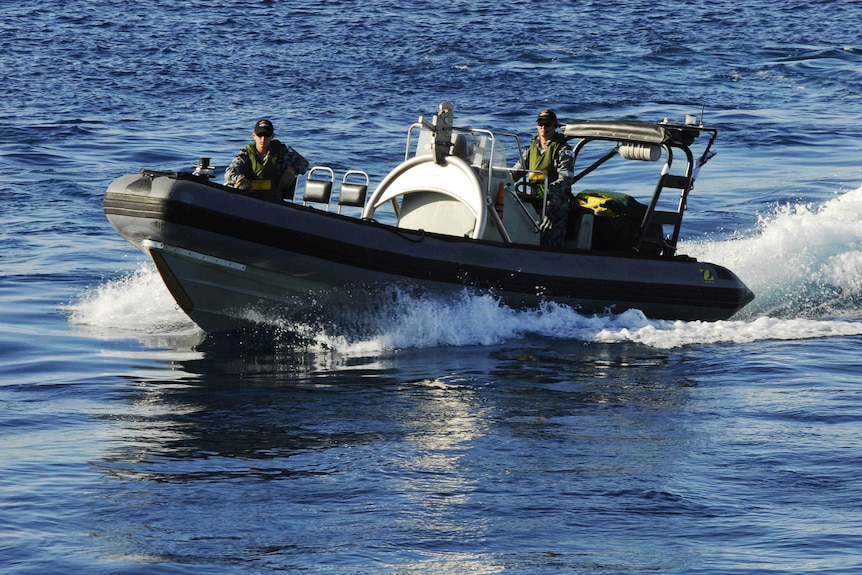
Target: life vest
<point>544,161</point>
<point>266,175</point>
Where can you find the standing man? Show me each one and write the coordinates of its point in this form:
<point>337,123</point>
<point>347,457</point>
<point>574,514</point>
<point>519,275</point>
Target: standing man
<point>266,168</point>
<point>550,154</point>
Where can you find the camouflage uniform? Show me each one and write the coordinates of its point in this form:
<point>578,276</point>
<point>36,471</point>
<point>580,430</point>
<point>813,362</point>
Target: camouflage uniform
<point>248,167</point>
<point>559,167</point>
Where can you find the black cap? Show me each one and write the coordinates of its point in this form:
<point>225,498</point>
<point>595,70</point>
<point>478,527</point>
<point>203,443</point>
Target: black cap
<point>548,116</point>
<point>263,128</point>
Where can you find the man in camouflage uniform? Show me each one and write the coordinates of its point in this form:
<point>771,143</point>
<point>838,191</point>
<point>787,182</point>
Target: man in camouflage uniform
<point>551,154</point>
<point>266,168</point>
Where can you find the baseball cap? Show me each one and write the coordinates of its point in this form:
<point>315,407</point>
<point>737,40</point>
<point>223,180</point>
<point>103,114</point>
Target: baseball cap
<point>547,116</point>
<point>263,128</point>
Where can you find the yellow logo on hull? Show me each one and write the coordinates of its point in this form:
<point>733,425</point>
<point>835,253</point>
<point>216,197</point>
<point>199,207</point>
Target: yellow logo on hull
<point>707,274</point>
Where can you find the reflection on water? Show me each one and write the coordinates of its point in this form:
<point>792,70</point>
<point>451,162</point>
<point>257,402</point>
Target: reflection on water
<point>424,456</point>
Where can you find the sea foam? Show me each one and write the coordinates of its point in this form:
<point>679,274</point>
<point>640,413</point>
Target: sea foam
<point>804,263</point>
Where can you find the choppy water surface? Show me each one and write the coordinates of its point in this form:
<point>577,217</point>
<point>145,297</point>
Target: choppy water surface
<point>448,436</point>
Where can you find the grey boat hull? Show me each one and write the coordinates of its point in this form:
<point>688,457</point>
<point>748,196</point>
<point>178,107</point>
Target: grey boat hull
<point>230,259</point>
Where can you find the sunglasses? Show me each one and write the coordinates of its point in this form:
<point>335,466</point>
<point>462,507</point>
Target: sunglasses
<point>544,123</point>
<point>263,135</point>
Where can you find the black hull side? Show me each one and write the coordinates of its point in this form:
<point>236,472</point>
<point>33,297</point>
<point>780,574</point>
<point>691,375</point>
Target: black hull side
<point>302,249</point>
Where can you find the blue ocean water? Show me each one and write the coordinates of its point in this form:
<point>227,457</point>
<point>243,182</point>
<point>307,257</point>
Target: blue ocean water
<point>452,436</point>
